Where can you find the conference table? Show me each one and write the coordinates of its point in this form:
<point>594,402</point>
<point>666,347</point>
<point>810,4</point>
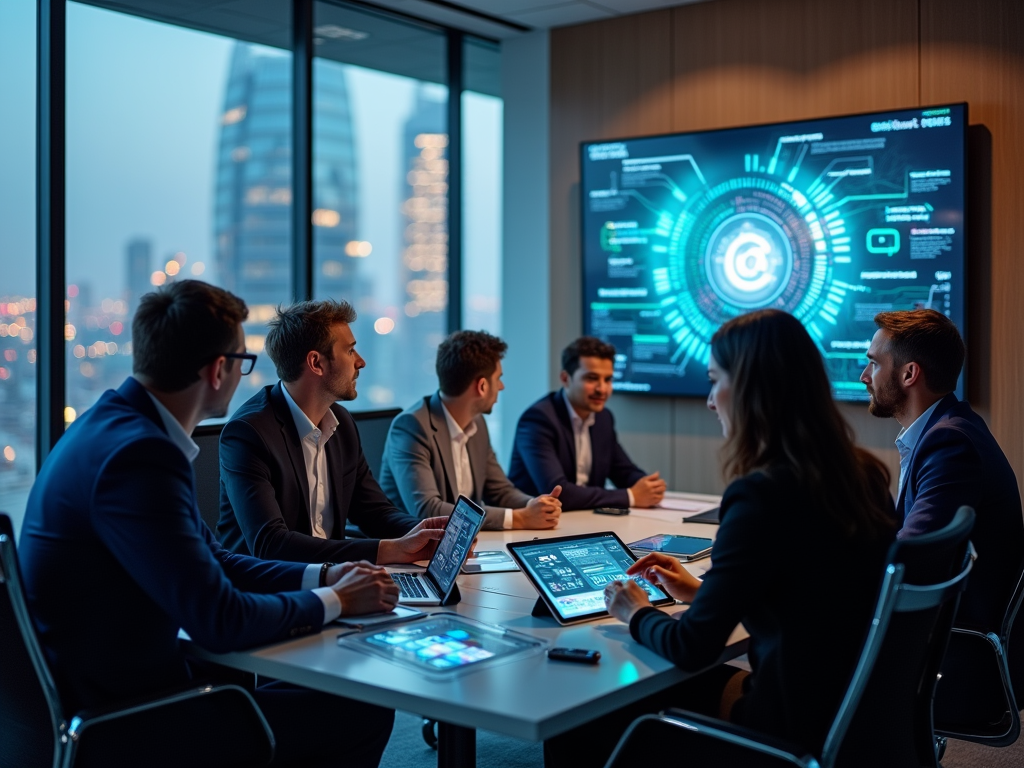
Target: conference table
<point>532,697</point>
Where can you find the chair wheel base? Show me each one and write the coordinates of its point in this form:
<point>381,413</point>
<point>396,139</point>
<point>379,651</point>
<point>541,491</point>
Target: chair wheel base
<point>940,747</point>
<point>429,731</point>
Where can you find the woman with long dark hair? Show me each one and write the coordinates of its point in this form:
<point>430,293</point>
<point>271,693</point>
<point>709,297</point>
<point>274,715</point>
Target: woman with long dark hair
<point>805,524</point>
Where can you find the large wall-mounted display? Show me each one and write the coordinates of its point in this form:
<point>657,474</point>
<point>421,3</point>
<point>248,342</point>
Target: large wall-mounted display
<point>832,220</point>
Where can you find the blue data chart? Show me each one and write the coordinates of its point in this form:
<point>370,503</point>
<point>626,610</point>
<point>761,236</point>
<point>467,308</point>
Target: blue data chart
<point>831,220</point>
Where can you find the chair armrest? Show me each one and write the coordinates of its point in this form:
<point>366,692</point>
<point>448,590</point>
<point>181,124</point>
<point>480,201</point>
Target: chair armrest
<point>706,741</point>
<point>198,724</point>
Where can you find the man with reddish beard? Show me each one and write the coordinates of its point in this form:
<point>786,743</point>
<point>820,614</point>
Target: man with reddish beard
<point>291,465</point>
<point>949,458</point>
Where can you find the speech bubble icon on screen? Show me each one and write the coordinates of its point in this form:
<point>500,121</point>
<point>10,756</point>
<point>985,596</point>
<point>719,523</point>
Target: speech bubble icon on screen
<point>883,240</point>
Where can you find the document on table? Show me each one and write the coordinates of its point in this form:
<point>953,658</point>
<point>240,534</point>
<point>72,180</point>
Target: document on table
<point>674,508</point>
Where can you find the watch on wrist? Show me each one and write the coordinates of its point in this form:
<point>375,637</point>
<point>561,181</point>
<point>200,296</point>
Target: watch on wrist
<point>323,573</point>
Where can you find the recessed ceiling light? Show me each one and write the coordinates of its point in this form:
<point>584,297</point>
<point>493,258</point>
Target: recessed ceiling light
<point>334,32</point>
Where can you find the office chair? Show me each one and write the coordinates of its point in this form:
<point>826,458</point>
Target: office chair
<point>885,715</point>
<point>373,427</point>
<point>981,675</point>
<point>196,724</point>
<point>207,471</point>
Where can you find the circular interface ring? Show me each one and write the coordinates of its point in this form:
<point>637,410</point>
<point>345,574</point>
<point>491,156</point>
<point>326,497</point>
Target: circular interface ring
<point>748,260</point>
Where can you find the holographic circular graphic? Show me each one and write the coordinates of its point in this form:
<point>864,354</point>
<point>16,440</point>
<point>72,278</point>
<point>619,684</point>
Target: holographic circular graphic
<point>749,242</point>
<point>749,260</point>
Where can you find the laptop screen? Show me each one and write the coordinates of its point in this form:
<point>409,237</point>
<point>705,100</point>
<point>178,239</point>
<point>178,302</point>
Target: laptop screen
<point>451,553</point>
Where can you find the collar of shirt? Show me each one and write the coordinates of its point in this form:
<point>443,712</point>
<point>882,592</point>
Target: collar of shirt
<point>907,439</point>
<point>457,433</point>
<point>305,427</point>
<point>578,424</point>
<point>175,431</point>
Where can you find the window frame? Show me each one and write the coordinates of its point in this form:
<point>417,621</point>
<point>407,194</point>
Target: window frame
<point>51,273</point>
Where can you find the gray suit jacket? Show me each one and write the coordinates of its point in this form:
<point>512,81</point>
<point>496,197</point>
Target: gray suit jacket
<point>418,471</point>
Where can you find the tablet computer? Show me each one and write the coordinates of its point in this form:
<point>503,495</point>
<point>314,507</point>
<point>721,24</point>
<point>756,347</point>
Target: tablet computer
<point>571,572</point>
<point>685,548</point>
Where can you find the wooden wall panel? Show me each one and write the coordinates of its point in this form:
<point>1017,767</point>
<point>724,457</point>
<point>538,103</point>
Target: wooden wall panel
<point>974,52</point>
<point>733,62</point>
<point>741,62</point>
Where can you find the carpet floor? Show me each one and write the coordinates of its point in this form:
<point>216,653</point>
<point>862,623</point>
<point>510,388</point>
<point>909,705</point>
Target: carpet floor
<point>408,750</point>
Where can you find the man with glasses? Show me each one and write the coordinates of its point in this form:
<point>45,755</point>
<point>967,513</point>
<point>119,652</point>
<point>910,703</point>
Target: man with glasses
<point>116,557</point>
<point>292,467</point>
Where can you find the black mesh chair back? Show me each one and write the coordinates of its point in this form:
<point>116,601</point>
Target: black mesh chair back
<point>373,429</point>
<point>207,471</point>
<point>887,709</point>
<point>33,726</point>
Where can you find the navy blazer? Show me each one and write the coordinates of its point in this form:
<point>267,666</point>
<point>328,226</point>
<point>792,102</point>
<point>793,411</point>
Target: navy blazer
<point>264,489</point>
<point>957,461</point>
<point>116,559</point>
<point>544,455</point>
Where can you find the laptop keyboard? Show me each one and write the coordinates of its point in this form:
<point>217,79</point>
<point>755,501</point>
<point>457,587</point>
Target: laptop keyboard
<point>409,585</point>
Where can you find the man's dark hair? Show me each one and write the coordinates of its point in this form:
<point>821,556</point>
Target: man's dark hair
<point>301,328</point>
<point>585,346</point>
<point>466,356</point>
<point>182,327</point>
<point>928,338</point>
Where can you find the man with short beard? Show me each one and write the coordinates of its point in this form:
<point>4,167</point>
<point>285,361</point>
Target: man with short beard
<point>948,458</point>
<point>291,463</point>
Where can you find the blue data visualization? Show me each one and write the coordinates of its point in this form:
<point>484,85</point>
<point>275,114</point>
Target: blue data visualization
<point>832,220</point>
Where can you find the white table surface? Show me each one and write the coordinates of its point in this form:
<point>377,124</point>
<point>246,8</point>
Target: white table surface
<point>529,698</point>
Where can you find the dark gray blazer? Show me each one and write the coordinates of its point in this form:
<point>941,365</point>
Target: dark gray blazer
<point>418,470</point>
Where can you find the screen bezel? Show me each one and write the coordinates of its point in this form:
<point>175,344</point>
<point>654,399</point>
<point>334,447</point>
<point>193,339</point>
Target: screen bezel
<point>442,593</point>
<point>961,390</point>
<point>514,546</point>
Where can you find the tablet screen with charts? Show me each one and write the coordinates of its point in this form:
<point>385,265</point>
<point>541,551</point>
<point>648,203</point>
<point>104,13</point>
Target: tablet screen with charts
<point>571,572</point>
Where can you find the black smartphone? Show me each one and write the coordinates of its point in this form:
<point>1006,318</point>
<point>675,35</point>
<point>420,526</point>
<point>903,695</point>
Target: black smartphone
<point>618,511</point>
<point>579,655</point>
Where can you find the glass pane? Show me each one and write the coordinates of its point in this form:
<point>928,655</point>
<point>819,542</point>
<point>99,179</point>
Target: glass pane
<point>381,194</point>
<point>481,200</point>
<point>17,256</point>
<point>178,166</point>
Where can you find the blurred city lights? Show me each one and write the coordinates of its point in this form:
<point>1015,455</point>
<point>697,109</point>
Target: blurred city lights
<point>9,453</point>
<point>69,414</point>
<point>198,268</point>
<point>158,278</point>
<point>384,325</point>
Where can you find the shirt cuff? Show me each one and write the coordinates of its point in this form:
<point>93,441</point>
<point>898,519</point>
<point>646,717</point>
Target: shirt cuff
<point>629,492</point>
<point>507,525</point>
<point>311,576</point>
<point>331,601</point>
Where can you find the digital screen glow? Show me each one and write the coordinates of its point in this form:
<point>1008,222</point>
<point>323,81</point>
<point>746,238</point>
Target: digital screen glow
<point>832,220</point>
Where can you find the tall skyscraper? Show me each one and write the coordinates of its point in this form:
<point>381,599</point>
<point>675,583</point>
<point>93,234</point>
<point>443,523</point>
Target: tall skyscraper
<point>425,218</point>
<point>139,255</point>
<point>252,217</point>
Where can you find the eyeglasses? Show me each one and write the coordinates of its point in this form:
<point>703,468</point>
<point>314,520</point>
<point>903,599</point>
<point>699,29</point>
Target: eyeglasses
<point>248,360</point>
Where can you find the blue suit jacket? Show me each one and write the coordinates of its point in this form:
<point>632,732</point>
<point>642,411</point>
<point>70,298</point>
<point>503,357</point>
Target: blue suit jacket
<point>958,461</point>
<point>544,455</point>
<point>116,558</point>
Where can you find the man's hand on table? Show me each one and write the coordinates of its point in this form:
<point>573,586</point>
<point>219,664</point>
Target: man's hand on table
<point>540,511</point>
<point>648,491</point>
<point>625,598</point>
<point>417,544</point>
<point>668,573</point>
<point>362,588</point>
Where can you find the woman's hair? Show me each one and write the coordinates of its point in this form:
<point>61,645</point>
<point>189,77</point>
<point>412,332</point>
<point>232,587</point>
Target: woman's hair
<point>782,415</point>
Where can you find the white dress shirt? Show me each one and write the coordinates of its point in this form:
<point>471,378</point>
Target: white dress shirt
<point>311,576</point>
<point>313,439</point>
<point>460,455</point>
<point>906,441</point>
<point>584,448</point>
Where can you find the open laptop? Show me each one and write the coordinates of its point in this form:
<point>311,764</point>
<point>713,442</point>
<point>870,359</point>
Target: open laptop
<point>434,585</point>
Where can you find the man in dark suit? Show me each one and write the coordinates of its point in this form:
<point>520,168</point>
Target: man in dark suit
<point>440,448</point>
<point>291,465</point>
<point>948,458</point>
<point>568,438</point>
<point>116,557</point>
